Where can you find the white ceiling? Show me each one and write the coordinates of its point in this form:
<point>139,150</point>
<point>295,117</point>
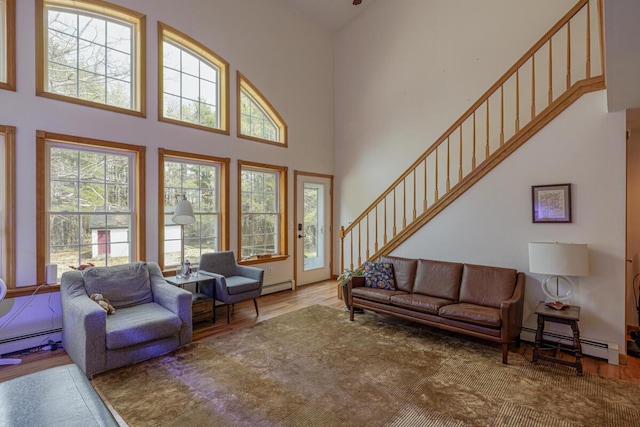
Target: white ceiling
<point>330,14</point>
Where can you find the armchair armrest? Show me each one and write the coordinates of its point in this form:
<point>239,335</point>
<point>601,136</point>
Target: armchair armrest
<point>250,272</point>
<point>84,324</point>
<point>174,299</point>
<point>511,310</point>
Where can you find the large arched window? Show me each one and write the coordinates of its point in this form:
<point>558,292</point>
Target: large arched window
<point>91,53</point>
<point>90,202</point>
<point>8,44</point>
<point>258,120</point>
<point>193,83</point>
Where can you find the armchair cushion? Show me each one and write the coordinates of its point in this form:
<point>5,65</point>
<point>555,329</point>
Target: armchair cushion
<point>124,285</point>
<point>240,284</point>
<point>145,322</point>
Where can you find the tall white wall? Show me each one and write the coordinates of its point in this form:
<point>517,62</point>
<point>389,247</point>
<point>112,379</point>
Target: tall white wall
<point>406,70</point>
<point>289,59</point>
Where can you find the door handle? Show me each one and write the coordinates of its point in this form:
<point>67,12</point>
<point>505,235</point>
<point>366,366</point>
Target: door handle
<point>300,236</point>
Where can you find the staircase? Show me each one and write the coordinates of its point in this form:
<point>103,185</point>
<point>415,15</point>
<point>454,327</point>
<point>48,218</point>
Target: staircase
<point>562,66</point>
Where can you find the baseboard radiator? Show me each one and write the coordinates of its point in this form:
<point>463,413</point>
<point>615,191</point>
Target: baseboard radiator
<point>277,287</point>
<point>601,350</point>
<point>12,345</point>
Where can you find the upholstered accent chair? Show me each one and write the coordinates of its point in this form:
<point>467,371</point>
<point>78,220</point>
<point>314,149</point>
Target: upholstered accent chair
<point>151,316</point>
<point>233,283</point>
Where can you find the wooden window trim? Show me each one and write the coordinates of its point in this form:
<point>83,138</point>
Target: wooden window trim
<point>163,155</point>
<point>9,202</point>
<point>243,83</point>
<point>10,39</point>
<point>110,10</point>
<point>282,199</point>
<point>139,200</point>
<point>188,43</point>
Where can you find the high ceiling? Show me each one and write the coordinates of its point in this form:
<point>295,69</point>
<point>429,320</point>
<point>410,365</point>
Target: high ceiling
<point>331,14</point>
<point>622,33</point>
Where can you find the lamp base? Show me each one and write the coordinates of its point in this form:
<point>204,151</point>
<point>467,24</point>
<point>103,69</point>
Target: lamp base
<point>557,291</point>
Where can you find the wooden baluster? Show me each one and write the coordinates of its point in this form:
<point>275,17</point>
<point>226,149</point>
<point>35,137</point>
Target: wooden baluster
<point>601,35</point>
<point>460,150</point>
<point>351,250</point>
<point>436,181</point>
<point>569,54</point>
<point>360,243</point>
<point>424,201</point>
<point>550,70</point>
<point>404,203</point>
<point>448,165</point>
<point>376,242</point>
<point>501,115</point>
<point>341,236</point>
<point>414,194</point>
<point>473,157</point>
<point>588,71</point>
<point>385,221</point>
<point>486,148</point>
<point>517,100</point>
<point>395,210</point>
<point>367,240</point>
<point>533,86</point>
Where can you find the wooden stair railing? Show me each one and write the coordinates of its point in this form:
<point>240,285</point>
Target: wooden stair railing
<point>488,132</point>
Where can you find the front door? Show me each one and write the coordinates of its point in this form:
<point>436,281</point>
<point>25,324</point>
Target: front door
<point>313,228</point>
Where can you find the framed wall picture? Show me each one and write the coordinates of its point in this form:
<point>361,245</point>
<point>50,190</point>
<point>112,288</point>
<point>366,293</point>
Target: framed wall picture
<point>551,203</point>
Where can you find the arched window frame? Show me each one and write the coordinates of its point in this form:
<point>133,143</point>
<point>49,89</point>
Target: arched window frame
<point>248,88</point>
<point>107,12</point>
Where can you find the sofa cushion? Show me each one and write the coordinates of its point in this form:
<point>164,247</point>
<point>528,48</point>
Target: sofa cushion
<point>438,279</point>
<point>404,271</point>
<point>472,313</point>
<point>379,275</point>
<point>418,302</point>
<point>123,285</point>
<point>373,294</point>
<point>487,286</point>
<point>145,322</point>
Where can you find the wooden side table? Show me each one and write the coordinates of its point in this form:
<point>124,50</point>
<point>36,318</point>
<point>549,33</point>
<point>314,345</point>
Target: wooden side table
<point>202,307</point>
<point>569,315</point>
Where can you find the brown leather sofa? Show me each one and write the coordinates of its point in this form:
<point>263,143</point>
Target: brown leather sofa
<point>476,300</point>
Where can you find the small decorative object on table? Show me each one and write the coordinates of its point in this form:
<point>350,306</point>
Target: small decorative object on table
<point>558,305</point>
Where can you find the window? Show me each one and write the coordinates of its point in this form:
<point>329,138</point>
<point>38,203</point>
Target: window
<point>8,44</point>
<point>257,119</point>
<point>7,208</point>
<point>203,180</point>
<point>90,202</point>
<point>91,53</point>
<point>193,83</point>
<point>263,211</point>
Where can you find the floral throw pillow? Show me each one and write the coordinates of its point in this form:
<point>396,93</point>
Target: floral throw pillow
<point>379,275</point>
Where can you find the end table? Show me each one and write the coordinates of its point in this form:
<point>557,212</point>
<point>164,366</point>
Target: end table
<point>570,315</point>
<point>202,307</point>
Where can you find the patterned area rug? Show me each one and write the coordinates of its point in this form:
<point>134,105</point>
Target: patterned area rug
<point>313,367</point>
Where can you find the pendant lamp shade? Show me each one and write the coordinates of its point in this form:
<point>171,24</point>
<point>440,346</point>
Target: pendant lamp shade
<point>183,213</point>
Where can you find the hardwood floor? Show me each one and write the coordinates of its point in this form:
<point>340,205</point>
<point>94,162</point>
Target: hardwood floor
<point>273,305</point>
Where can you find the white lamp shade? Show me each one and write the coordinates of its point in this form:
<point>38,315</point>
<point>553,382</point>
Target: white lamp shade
<point>183,213</point>
<point>559,259</point>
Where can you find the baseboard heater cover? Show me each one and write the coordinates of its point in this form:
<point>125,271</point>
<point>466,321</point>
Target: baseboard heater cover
<point>601,350</point>
<point>277,287</point>
<point>15,340</point>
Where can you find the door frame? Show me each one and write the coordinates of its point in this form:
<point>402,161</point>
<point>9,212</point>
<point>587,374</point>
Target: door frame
<point>296,174</point>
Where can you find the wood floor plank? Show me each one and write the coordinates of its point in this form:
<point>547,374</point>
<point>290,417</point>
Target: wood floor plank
<point>273,305</point>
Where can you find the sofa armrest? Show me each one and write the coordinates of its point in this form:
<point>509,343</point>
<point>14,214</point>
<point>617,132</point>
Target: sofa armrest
<point>354,282</point>
<point>84,324</point>
<point>511,311</point>
<point>174,299</point>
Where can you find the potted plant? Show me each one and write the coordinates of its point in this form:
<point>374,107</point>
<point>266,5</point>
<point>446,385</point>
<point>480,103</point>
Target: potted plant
<point>344,278</point>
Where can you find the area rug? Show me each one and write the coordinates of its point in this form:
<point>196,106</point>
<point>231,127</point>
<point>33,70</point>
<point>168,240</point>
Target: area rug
<point>313,367</point>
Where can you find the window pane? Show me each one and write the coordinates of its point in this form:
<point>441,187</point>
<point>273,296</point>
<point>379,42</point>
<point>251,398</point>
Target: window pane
<point>254,120</point>
<point>171,56</point>
<point>259,212</point>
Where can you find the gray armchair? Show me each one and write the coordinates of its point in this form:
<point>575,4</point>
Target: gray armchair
<point>233,282</point>
<point>152,317</point>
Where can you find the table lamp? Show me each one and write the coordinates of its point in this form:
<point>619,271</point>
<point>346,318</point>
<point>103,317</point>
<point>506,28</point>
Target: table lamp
<point>558,261</point>
<point>183,215</point>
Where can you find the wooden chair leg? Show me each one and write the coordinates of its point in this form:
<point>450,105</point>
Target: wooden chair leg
<point>505,353</point>
<point>255,304</point>
<point>228,314</point>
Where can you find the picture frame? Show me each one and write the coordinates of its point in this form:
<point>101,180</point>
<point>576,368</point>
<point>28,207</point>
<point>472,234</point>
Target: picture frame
<point>551,203</point>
